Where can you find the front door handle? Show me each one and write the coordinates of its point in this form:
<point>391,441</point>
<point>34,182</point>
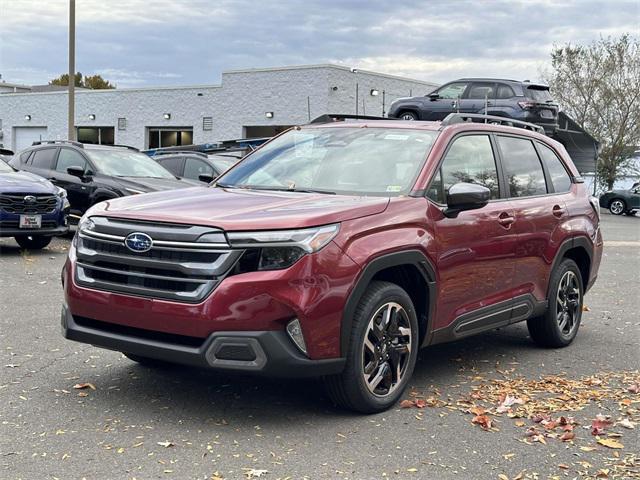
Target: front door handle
<point>557,211</point>
<point>506,220</point>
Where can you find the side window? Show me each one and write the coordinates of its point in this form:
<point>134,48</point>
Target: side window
<point>172,164</point>
<point>470,159</point>
<point>522,167</point>
<point>69,158</point>
<point>479,90</point>
<point>193,168</point>
<point>453,90</point>
<point>504,91</point>
<point>25,156</point>
<point>43,158</point>
<point>559,177</point>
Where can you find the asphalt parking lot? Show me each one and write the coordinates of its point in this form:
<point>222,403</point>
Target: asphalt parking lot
<point>191,424</point>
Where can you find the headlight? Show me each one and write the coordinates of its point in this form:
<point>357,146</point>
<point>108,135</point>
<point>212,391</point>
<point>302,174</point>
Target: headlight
<point>61,192</point>
<point>86,223</point>
<point>278,249</point>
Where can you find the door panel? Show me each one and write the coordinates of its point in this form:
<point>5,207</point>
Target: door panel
<point>476,249</point>
<point>78,191</point>
<point>448,101</point>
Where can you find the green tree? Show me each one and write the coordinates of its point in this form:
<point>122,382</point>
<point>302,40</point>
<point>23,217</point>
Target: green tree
<point>94,82</point>
<point>598,86</point>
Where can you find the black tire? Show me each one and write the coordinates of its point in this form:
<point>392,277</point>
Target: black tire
<point>33,242</point>
<point>351,389</point>
<point>617,206</point>
<point>147,361</point>
<point>408,115</point>
<point>565,300</point>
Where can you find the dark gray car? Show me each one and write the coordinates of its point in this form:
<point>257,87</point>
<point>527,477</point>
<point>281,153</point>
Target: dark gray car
<point>524,101</point>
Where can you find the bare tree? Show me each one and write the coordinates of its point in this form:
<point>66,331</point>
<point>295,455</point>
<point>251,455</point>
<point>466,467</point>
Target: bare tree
<point>598,85</point>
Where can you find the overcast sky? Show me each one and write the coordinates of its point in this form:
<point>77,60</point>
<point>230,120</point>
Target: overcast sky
<point>162,42</point>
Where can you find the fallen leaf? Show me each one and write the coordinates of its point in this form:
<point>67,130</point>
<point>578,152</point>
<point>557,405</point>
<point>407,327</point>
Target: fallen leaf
<point>254,473</point>
<point>477,410</point>
<point>483,420</point>
<point>82,386</point>
<point>406,404</point>
<point>600,424</point>
<point>508,402</point>
<point>502,476</point>
<point>166,444</point>
<point>635,388</point>
<point>420,403</point>
<point>566,436</point>
<point>520,423</point>
<point>626,423</point>
<point>610,443</point>
<point>585,308</point>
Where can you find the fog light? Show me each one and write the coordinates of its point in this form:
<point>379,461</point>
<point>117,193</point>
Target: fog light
<point>295,332</point>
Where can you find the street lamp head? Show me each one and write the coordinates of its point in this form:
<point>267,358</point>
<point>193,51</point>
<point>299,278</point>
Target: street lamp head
<point>374,92</point>
<point>167,116</point>
<point>92,116</point>
<point>27,118</point>
<point>268,114</point>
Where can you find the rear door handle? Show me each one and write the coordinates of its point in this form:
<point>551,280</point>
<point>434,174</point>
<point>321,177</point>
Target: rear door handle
<point>506,219</point>
<point>557,211</point>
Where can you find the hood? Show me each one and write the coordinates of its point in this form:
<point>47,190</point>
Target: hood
<point>25,182</point>
<point>150,184</point>
<point>234,209</point>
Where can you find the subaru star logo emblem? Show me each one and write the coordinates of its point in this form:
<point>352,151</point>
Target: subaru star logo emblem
<point>29,199</point>
<point>138,242</point>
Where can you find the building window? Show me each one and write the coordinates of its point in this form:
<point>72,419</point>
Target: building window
<point>169,137</point>
<point>122,124</point>
<point>207,123</point>
<point>96,135</point>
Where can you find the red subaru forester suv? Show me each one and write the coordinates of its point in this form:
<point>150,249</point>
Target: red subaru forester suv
<point>338,249</point>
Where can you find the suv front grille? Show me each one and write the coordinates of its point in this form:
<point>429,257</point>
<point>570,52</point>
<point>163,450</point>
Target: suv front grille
<point>17,203</point>
<point>177,267</point>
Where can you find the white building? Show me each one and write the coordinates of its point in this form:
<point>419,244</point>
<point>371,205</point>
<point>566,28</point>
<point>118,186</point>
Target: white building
<point>247,103</point>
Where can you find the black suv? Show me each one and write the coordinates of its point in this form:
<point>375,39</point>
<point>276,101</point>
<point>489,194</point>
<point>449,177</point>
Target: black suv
<point>524,101</point>
<point>196,165</point>
<point>93,173</point>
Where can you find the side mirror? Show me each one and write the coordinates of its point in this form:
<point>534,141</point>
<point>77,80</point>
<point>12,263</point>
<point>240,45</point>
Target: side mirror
<point>433,96</point>
<point>76,171</point>
<point>465,196</point>
<point>206,178</point>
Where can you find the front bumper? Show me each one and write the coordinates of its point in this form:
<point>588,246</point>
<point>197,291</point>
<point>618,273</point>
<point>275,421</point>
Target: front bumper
<point>269,353</point>
<point>45,232</point>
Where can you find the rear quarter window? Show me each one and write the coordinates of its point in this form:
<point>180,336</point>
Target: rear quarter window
<point>43,158</point>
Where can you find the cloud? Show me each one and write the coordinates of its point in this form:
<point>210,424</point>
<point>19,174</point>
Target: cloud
<point>139,42</point>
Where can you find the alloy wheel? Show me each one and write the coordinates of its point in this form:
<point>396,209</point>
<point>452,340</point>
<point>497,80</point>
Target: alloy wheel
<point>616,207</point>
<point>407,116</point>
<point>568,303</point>
<point>387,349</point>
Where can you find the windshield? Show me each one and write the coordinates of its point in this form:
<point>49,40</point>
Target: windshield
<point>127,163</point>
<point>223,164</point>
<point>363,161</point>
<point>4,168</point>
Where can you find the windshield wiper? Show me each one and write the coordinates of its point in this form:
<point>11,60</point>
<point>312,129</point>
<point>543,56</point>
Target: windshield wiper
<point>275,189</point>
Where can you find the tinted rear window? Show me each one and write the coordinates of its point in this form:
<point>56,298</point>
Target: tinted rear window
<point>43,158</point>
<point>538,94</point>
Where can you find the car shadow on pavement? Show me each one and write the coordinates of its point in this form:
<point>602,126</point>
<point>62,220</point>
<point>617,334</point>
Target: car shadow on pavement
<point>203,396</point>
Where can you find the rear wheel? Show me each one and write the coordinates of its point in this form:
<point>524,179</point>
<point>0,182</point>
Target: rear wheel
<point>559,325</point>
<point>33,242</point>
<point>382,351</point>
<point>408,116</point>
<point>617,206</point>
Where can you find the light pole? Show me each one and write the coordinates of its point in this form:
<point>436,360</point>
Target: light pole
<point>355,72</point>
<point>72,70</point>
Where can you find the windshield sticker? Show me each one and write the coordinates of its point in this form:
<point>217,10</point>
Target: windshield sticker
<point>394,188</point>
<point>396,136</point>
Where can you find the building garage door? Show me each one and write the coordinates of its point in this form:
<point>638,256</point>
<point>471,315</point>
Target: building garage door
<point>24,137</point>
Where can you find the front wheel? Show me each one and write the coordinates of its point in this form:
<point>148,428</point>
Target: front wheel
<point>33,242</point>
<point>559,325</point>
<point>408,116</point>
<point>617,206</point>
<point>382,351</point>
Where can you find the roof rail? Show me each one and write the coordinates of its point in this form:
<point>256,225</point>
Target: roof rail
<point>340,117</point>
<point>62,142</point>
<point>179,152</point>
<point>237,145</point>
<point>129,147</point>
<point>454,118</point>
